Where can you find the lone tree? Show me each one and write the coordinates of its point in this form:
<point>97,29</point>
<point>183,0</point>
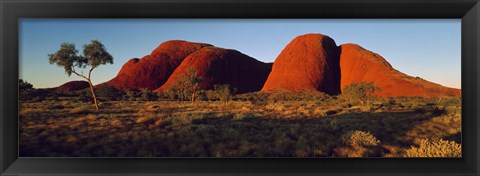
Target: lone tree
<point>188,84</point>
<point>94,55</point>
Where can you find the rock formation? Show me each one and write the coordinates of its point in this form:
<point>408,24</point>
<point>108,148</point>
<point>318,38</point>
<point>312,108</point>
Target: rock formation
<point>360,65</point>
<point>223,66</point>
<point>153,70</point>
<point>308,62</point>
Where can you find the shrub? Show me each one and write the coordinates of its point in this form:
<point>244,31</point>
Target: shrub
<point>360,92</point>
<point>439,148</point>
<point>147,95</point>
<point>187,85</point>
<point>83,97</point>
<point>109,93</point>
<point>130,95</point>
<point>223,92</point>
<point>360,138</point>
<point>258,98</point>
<point>171,94</point>
<point>64,91</point>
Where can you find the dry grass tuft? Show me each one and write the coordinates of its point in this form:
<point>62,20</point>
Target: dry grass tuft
<point>437,148</point>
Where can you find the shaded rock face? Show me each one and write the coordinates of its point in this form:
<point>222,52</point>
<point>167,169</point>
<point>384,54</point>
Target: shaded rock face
<point>308,62</point>
<point>153,70</point>
<point>73,86</point>
<point>223,66</point>
<point>360,65</point>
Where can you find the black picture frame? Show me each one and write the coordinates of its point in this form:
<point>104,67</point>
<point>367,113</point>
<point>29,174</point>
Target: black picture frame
<point>13,10</point>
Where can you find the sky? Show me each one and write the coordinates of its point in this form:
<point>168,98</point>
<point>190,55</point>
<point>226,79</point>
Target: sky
<point>427,48</point>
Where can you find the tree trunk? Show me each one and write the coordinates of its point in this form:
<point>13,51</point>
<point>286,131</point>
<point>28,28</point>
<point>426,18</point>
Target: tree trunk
<point>93,94</point>
<point>193,97</point>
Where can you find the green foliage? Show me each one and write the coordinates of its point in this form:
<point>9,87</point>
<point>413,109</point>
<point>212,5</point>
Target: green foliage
<point>65,92</point>
<point>24,85</point>
<point>304,95</point>
<point>258,98</point>
<point>187,85</point>
<point>109,93</point>
<point>148,95</point>
<point>171,94</point>
<point>67,57</point>
<point>360,92</point>
<point>224,92</point>
<point>435,148</point>
<point>94,55</point>
<point>360,138</point>
<point>85,96</point>
<point>130,95</point>
<point>25,90</point>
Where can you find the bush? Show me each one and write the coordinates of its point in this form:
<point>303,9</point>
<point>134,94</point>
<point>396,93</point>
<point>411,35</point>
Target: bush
<point>360,92</point>
<point>222,92</point>
<point>439,148</point>
<point>130,95</point>
<point>147,95</point>
<point>360,138</point>
<point>109,93</point>
<point>84,97</point>
<point>25,90</point>
<point>258,98</point>
<point>303,95</point>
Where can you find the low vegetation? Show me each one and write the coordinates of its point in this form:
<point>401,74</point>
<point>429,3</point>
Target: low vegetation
<point>142,123</point>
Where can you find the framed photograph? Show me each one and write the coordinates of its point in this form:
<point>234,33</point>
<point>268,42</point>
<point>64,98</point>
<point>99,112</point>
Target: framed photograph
<point>219,87</point>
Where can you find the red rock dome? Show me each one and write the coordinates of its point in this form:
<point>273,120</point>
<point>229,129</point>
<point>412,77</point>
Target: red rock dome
<point>73,86</point>
<point>360,65</point>
<point>223,66</point>
<point>153,70</point>
<point>308,62</point>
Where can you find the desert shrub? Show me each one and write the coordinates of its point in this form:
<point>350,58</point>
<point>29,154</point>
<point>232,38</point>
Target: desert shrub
<point>303,95</point>
<point>84,97</point>
<point>258,98</point>
<point>187,85</point>
<point>360,138</point>
<point>171,94</point>
<point>211,95</point>
<point>109,93</point>
<point>163,95</point>
<point>148,95</point>
<point>438,148</point>
<point>131,95</point>
<point>360,92</point>
<point>451,101</point>
<point>201,95</point>
<point>223,92</point>
<point>24,90</point>
<point>65,91</point>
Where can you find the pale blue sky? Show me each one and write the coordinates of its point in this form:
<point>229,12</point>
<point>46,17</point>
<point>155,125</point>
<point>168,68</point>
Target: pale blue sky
<point>428,48</point>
